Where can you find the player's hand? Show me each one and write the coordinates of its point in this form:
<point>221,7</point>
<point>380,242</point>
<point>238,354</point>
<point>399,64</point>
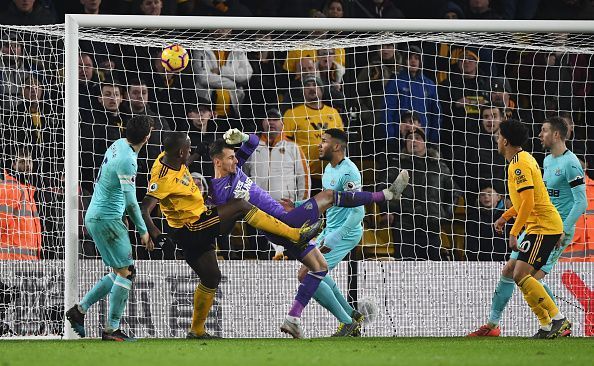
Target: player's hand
<point>287,204</point>
<point>234,136</point>
<point>164,240</point>
<point>559,242</point>
<point>146,240</point>
<point>242,194</point>
<point>499,225</point>
<point>513,243</point>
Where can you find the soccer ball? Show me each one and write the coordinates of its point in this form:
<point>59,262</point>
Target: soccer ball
<point>368,308</point>
<point>174,58</point>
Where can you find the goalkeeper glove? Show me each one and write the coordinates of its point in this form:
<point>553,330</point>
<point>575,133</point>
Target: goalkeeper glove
<point>163,240</point>
<point>234,136</point>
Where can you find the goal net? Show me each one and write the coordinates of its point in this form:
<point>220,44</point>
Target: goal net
<point>429,102</point>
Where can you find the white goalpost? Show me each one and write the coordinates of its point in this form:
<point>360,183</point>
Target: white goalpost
<point>430,262</point>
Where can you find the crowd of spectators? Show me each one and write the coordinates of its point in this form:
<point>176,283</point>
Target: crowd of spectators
<point>433,108</point>
<point>31,12</point>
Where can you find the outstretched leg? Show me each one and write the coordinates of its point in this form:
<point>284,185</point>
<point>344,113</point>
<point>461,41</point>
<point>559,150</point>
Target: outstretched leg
<point>329,198</point>
<point>237,209</point>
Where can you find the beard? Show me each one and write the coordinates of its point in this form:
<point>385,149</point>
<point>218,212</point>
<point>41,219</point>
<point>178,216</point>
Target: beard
<point>326,156</point>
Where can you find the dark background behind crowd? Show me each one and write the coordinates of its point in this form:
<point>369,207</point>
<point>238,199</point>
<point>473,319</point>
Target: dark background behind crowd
<point>431,107</point>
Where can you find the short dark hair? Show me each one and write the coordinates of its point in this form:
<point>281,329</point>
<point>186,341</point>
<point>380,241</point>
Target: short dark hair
<point>339,135</point>
<point>216,148</point>
<point>514,132</point>
<point>412,115</point>
<point>174,141</point>
<point>558,124</point>
<point>111,83</point>
<point>490,106</point>
<point>138,128</point>
<point>416,131</point>
<point>137,82</point>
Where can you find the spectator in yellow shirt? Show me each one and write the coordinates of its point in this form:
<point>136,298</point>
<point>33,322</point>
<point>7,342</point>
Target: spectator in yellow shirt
<point>305,124</point>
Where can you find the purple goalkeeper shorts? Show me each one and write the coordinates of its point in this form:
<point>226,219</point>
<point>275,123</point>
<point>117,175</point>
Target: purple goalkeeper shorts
<point>307,212</point>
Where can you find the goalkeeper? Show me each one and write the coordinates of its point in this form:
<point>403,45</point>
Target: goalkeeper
<point>230,182</point>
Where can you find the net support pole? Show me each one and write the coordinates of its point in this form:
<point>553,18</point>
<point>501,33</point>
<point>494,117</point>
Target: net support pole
<point>71,196</point>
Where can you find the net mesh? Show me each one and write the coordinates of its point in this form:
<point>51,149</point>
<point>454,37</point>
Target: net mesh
<point>375,85</point>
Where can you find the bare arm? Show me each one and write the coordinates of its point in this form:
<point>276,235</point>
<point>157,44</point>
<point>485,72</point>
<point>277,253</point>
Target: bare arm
<point>146,207</point>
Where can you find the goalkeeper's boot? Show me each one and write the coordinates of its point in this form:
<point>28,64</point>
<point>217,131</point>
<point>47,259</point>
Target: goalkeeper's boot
<point>206,335</point>
<point>116,336</point>
<point>291,328</point>
<point>308,232</point>
<point>394,191</point>
<point>358,317</point>
<point>558,327</point>
<point>77,320</point>
<point>541,334</point>
<point>486,331</point>
<point>346,330</point>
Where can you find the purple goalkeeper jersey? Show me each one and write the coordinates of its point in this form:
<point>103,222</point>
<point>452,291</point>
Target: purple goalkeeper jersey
<point>227,188</point>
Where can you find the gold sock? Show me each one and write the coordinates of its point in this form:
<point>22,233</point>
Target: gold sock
<point>538,299</point>
<point>263,221</point>
<point>203,299</point>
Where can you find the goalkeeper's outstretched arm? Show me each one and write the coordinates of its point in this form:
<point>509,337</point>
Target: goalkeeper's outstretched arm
<point>249,143</point>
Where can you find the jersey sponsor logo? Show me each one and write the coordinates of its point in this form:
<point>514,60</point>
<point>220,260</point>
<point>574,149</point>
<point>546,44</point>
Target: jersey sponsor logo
<point>524,246</point>
<point>308,206</point>
<point>242,189</point>
<point>185,180</point>
<point>153,187</point>
<point>521,179</point>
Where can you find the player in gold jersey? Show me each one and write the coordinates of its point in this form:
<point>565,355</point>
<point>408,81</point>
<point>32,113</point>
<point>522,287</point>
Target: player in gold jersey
<point>195,227</point>
<point>533,210</point>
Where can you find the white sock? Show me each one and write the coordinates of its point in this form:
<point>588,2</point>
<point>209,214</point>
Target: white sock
<point>559,316</point>
<point>547,327</point>
<point>293,319</point>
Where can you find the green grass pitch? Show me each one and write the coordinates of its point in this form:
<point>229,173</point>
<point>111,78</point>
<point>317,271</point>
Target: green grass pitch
<point>307,352</point>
